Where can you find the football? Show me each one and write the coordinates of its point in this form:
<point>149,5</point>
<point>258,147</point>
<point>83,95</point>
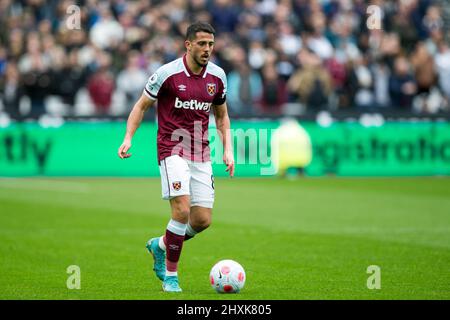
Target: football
<point>227,276</point>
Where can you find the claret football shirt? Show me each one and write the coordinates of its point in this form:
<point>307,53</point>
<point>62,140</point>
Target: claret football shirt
<point>184,104</point>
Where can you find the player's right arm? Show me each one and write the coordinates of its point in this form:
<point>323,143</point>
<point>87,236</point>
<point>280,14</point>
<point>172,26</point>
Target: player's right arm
<point>134,121</point>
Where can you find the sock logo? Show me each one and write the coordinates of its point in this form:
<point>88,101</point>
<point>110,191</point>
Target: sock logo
<point>174,247</point>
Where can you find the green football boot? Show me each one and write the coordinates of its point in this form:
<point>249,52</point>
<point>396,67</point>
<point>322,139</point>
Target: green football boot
<point>170,284</point>
<point>159,257</point>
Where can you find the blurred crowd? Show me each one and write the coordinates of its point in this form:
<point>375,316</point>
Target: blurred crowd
<point>281,57</point>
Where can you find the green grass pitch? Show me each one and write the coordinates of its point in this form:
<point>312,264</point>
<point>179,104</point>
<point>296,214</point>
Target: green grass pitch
<point>310,238</point>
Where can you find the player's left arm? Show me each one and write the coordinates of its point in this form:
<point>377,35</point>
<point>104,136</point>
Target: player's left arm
<point>223,127</point>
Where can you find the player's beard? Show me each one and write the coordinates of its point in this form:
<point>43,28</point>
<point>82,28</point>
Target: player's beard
<point>200,62</point>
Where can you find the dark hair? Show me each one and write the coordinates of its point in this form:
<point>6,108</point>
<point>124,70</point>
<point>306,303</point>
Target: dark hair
<point>198,27</point>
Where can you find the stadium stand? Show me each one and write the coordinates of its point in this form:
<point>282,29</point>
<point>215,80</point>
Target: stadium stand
<point>286,57</point>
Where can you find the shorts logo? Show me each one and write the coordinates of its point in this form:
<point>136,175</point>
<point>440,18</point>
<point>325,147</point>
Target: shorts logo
<point>176,185</point>
<point>211,88</point>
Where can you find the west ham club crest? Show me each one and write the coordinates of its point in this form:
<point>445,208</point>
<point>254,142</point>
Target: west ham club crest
<point>211,88</point>
<point>176,185</point>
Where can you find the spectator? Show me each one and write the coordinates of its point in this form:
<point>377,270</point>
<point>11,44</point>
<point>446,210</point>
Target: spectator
<point>34,58</point>
<point>432,20</point>
<point>402,85</point>
<point>69,78</point>
<point>16,43</point>
<point>338,73</point>
<point>442,62</point>
<point>3,60</point>
<point>107,32</point>
<point>131,80</point>
<point>197,6</point>
<point>251,25</point>
<point>101,85</point>
<point>403,24</point>
<point>35,68</point>
<point>381,75</point>
<point>425,76</point>
<point>225,15</point>
<point>316,41</point>
<point>289,42</point>
<point>244,86</point>
<point>37,86</point>
<point>342,38</point>
<point>361,84</point>
<point>257,55</point>
<point>312,84</point>
<point>389,48</point>
<point>274,91</point>
<point>11,91</point>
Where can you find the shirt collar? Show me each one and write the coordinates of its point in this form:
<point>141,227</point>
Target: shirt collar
<point>189,70</point>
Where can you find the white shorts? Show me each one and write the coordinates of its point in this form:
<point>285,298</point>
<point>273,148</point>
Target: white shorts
<point>183,177</point>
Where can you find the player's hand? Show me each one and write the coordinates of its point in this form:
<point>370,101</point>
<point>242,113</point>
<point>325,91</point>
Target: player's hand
<point>123,149</point>
<point>228,159</point>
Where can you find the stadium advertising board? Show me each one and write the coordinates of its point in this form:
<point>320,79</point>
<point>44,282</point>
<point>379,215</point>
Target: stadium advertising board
<point>347,149</point>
